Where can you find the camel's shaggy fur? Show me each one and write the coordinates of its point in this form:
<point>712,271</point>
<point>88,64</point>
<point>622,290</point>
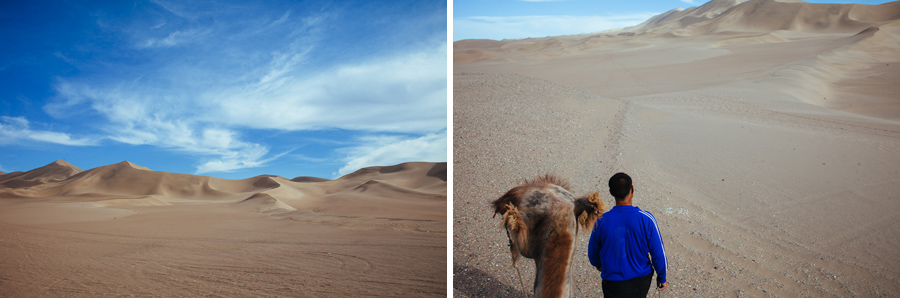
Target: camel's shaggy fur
<point>543,219</point>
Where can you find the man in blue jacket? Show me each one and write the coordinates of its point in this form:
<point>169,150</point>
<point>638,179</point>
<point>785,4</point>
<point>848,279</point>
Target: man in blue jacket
<point>620,244</point>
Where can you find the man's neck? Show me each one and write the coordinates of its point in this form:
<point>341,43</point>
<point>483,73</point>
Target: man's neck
<point>625,202</point>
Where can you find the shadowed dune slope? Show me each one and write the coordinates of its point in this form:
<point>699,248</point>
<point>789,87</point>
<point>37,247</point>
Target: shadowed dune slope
<point>309,179</point>
<point>254,184</point>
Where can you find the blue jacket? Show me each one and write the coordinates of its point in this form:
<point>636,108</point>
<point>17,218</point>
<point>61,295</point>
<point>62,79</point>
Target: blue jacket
<point>620,242</point>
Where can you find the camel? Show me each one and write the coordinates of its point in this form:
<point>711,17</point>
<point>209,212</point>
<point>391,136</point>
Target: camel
<point>540,219</point>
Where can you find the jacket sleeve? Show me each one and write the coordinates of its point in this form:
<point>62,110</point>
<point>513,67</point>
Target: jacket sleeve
<point>657,249</point>
<point>594,246</point>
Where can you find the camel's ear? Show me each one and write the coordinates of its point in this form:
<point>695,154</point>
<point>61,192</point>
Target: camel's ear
<point>589,209</point>
<point>516,231</point>
<point>512,197</point>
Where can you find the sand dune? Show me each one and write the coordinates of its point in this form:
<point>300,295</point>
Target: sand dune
<point>680,19</point>
<point>413,191</point>
<point>763,16</point>
<point>721,18</point>
<point>762,134</point>
<point>265,203</point>
<point>55,171</point>
<point>127,179</point>
<point>413,175</point>
<point>392,188</point>
<point>124,229</point>
<point>771,15</point>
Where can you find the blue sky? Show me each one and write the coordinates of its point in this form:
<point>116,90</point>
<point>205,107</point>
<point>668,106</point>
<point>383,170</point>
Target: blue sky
<point>510,19</point>
<point>228,89</point>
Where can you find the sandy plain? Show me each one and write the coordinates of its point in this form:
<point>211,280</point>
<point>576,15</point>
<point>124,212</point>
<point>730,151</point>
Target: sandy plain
<point>125,230</point>
<point>764,136</point>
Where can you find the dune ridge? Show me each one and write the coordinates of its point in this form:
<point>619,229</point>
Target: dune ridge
<point>56,171</point>
<point>126,184</point>
<point>414,190</point>
<point>265,203</point>
<point>763,16</point>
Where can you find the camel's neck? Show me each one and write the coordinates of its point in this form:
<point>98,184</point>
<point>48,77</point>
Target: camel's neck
<point>552,285</point>
<point>552,267</point>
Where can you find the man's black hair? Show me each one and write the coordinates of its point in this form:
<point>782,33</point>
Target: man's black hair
<point>620,186</point>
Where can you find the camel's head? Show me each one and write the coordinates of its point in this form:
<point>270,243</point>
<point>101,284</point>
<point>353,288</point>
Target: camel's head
<point>511,198</point>
<point>542,218</point>
<point>588,210</point>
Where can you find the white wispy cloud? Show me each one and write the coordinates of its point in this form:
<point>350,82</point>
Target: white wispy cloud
<point>691,2</point>
<point>173,8</point>
<point>251,157</point>
<point>18,129</point>
<point>208,84</point>
<point>214,81</point>
<point>380,150</point>
<point>404,93</point>
<point>165,121</point>
<point>513,27</point>
<point>174,38</point>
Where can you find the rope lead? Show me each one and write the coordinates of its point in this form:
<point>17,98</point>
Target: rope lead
<point>510,244</point>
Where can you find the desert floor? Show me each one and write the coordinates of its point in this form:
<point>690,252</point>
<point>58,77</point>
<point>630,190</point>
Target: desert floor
<point>159,234</point>
<point>772,161</point>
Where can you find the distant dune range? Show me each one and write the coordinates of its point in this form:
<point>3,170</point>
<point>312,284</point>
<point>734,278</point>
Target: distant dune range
<point>847,48</point>
<point>124,229</point>
<point>763,135</point>
<point>410,191</point>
